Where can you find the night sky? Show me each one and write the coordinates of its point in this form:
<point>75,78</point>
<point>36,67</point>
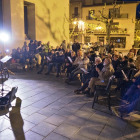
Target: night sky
<point>138,8</point>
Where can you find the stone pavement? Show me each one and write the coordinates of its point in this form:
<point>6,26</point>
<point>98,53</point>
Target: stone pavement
<point>47,109</point>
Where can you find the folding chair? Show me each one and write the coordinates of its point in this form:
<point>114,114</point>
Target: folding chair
<point>103,89</point>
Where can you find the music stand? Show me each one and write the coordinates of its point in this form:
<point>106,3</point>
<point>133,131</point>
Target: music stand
<point>4,71</point>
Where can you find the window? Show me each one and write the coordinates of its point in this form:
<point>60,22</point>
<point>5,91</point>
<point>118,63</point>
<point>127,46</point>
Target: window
<point>76,11</point>
<point>115,13</point>
<point>87,39</point>
<point>119,42</point>
<point>26,19</point>
<point>1,15</point>
<point>91,14</point>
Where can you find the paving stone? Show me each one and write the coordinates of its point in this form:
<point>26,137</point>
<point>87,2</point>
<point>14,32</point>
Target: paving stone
<point>54,136</point>
<point>31,136</point>
<point>47,111</point>
<point>65,112</point>
<point>35,118</point>
<point>4,123</point>
<point>79,137</point>
<point>76,121</point>
<point>132,133</point>
<point>57,105</point>
<point>91,131</point>
<point>29,110</point>
<point>9,135</point>
<point>117,123</point>
<point>55,120</point>
<point>37,97</point>
<point>22,126</point>
<point>83,114</point>
<point>41,104</point>
<point>110,133</point>
<point>66,130</point>
<point>43,128</point>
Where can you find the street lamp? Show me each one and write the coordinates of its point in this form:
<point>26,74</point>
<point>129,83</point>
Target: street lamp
<point>4,37</point>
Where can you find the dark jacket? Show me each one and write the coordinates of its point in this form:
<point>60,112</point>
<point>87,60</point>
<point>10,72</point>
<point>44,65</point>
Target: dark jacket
<point>76,47</point>
<point>18,55</point>
<point>61,50</point>
<point>93,72</point>
<point>115,64</point>
<point>28,55</point>
<point>67,54</point>
<point>124,65</point>
<point>92,57</point>
<point>60,59</point>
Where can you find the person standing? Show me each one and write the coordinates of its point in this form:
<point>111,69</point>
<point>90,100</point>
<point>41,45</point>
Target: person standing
<point>75,47</point>
<point>133,50</point>
<point>64,45</point>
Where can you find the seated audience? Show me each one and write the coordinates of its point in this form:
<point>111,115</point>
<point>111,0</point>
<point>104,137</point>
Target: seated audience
<point>103,78</point>
<point>133,98</point>
<point>37,53</point>
<point>137,62</point>
<point>19,56</point>
<point>29,58</point>
<point>124,65</point>
<point>49,59</point>
<point>68,64</point>
<point>130,55</point>
<point>61,49</point>
<point>24,46</point>
<point>103,56</point>
<point>126,83</point>
<point>59,60</point>
<point>81,64</point>
<point>115,62</point>
<point>133,50</point>
<point>131,63</point>
<point>67,53</point>
<point>89,75</point>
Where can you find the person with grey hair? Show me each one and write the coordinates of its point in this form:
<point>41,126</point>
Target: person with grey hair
<point>92,73</point>
<point>103,77</point>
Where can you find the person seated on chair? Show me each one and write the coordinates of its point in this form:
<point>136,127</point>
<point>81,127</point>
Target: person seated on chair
<point>115,62</point>
<point>29,58</point>
<point>133,98</point>
<point>131,63</point>
<point>81,64</point>
<point>88,76</point>
<point>68,64</point>
<point>124,65</point>
<point>76,61</point>
<point>137,62</point>
<point>61,49</point>
<point>19,56</point>
<point>59,60</point>
<point>49,59</point>
<point>104,75</point>
<point>57,49</point>
<point>67,53</point>
<point>126,83</point>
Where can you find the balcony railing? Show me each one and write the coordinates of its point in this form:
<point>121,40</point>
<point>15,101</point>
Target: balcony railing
<point>75,15</point>
<point>120,16</point>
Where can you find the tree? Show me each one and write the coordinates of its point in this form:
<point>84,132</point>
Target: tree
<point>107,20</point>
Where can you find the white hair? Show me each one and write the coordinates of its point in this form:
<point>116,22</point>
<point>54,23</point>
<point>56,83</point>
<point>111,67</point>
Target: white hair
<point>98,59</point>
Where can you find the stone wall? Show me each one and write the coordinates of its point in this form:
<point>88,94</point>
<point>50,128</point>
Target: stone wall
<point>48,21</point>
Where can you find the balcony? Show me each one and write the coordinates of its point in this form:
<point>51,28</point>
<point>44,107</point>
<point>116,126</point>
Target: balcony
<point>75,15</point>
<point>89,18</point>
<point>120,16</point>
